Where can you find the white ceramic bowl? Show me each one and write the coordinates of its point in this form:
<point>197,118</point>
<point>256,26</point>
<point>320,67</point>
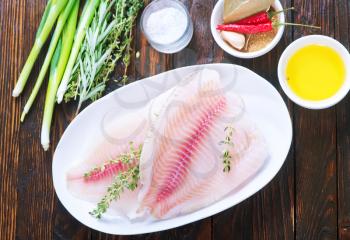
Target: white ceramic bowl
<point>302,42</point>
<point>217,18</point>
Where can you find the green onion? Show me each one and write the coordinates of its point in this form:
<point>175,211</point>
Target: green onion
<point>43,19</point>
<point>88,14</point>
<point>58,65</point>
<point>50,16</point>
<point>58,30</point>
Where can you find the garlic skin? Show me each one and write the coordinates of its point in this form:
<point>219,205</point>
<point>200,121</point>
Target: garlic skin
<point>236,40</point>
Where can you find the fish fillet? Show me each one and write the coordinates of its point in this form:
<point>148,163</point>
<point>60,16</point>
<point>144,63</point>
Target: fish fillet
<point>181,163</point>
<point>181,133</point>
<point>113,140</point>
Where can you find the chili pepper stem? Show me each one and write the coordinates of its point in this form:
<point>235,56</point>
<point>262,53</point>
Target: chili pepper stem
<point>273,13</point>
<point>277,24</point>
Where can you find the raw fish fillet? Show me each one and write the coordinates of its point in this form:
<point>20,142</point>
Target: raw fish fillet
<point>181,166</point>
<point>115,140</point>
<point>181,163</point>
<point>105,149</point>
<point>102,151</point>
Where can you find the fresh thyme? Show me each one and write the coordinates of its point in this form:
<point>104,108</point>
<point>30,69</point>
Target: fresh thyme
<point>124,180</point>
<point>127,158</point>
<point>127,179</point>
<point>226,160</point>
<point>108,40</point>
<point>226,156</point>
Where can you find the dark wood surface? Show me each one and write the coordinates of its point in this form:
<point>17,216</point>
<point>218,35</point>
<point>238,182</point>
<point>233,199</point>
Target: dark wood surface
<point>308,199</point>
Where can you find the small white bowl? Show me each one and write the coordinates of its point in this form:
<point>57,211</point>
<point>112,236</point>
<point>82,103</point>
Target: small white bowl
<point>302,42</point>
<point>217,18</point>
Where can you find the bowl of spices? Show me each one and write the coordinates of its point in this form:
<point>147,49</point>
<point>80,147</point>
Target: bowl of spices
<point>167,25</point>
<point>314,71</point>
<point>247,29</point>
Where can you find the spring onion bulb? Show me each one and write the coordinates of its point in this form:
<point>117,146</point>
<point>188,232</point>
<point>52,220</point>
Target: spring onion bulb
<point>88,14</point>
<point>58,64</point>
<point>56,35</point>
<point>52,11</point>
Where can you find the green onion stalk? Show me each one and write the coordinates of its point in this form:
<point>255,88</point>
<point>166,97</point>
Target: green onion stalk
<point>88,14</point>
<point>51,13</point>
<point>56,35</point>
<point>58,64</point>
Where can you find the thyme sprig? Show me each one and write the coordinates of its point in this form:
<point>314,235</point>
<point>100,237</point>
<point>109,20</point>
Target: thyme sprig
<point>127,179</point>
<point>108,40</point>
<point>226,160</point>
<point>130,157</point>
<point>226,156</point>
<point>124,180</point>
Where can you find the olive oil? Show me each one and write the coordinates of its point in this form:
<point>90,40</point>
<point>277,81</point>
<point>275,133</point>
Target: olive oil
<point>315,72</point>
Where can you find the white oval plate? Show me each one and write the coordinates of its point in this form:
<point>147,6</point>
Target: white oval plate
<point>263,103</point>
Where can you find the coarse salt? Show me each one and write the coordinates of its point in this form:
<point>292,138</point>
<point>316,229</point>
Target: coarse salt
<point>166,25</point>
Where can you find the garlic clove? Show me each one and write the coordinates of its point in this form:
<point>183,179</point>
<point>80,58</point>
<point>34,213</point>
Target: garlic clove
<point>236,40</point>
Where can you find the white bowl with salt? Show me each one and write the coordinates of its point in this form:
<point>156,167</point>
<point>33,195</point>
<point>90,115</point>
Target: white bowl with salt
<point>167,25</point>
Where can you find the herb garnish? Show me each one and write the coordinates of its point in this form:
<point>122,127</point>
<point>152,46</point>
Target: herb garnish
<point>127,179</point>
<point>107,41</point>
<point>226,156</point>
<point>124,180</point>
<point>130,157</point>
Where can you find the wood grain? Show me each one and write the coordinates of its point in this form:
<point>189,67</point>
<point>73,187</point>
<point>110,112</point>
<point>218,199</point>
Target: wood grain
<point>10,55</point>
<point>308,199</point>
<point>315,146</point>
<point>342,12</point>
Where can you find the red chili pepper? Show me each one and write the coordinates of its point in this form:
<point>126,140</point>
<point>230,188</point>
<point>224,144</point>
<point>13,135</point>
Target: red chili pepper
<point>261,17</point>
<point>258,28</point>
<point>246,29</point>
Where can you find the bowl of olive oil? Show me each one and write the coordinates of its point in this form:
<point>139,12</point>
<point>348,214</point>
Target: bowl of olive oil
<point>314,71</point>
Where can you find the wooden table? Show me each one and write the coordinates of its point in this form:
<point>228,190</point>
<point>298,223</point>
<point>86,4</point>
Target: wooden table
<point>308,199</point>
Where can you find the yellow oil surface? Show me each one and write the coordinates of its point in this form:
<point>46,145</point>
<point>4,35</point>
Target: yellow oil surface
<point>315,72</point>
